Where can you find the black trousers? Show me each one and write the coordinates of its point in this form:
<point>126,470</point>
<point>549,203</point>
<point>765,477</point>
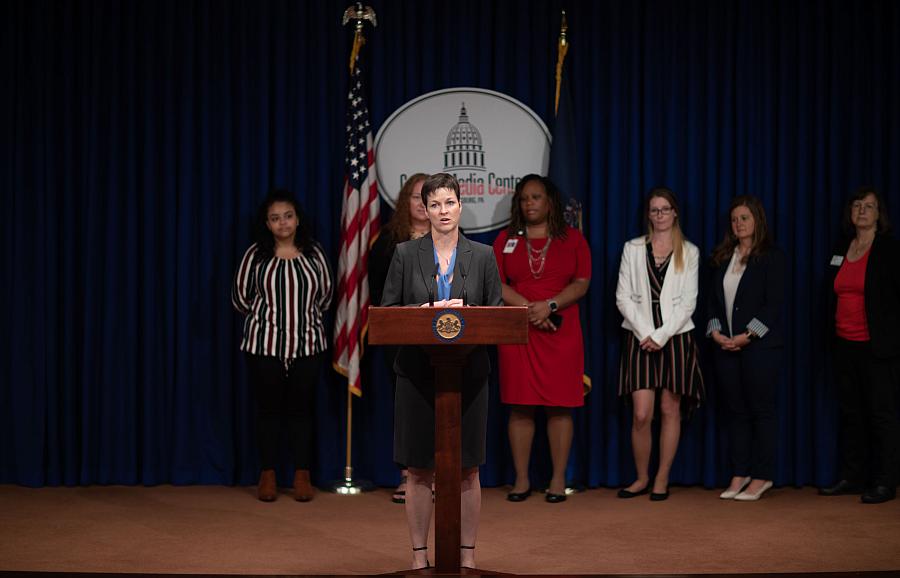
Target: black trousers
<point>870,430</point>
<point>285,398</point>
<point>748,383</point>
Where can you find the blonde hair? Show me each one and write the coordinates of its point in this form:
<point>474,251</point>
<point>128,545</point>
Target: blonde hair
<point>677,235</point>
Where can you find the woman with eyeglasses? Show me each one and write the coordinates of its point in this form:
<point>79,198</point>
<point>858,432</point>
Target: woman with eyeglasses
<point>745,322</point>
<point>656,294</point>
<point>864,317</point>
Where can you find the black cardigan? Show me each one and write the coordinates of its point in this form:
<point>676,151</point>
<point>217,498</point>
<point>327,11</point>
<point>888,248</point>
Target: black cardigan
<point>882,293</point>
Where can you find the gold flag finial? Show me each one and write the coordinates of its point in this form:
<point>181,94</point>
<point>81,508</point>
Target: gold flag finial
<point>562,49</point>
<point>358,14</point>
<point>563,28</point>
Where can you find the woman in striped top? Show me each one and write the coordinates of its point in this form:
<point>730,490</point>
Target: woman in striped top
<point>656,294</point>
<point>283,285</point>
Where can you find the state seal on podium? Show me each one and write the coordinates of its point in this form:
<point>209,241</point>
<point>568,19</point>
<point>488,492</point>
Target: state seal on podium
<point>448,325</point>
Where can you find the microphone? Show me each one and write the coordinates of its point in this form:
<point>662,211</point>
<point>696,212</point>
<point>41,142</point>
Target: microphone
<point>465,296</point>
<point>432,288</point>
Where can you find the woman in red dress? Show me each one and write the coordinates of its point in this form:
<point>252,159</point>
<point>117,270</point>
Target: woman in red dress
<point>546,266</point>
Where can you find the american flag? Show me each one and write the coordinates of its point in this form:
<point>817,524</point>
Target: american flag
<point>359,227</point>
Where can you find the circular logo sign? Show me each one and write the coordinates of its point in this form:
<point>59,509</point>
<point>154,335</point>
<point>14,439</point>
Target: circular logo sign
<point>448,325</point>
<point>486,139</point>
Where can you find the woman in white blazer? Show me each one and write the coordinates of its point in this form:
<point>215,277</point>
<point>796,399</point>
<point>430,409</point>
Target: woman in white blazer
<point>657,294</point>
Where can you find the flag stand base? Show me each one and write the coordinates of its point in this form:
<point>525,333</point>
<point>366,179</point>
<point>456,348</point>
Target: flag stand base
<point>350,487</point>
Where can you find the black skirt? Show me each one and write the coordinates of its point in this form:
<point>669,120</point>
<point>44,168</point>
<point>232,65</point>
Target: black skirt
<point>414,423</point>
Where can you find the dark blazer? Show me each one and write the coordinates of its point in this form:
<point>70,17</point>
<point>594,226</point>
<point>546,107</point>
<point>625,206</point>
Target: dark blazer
<point>758,303</point>
<point>409,281</point>
<point>882,293</point>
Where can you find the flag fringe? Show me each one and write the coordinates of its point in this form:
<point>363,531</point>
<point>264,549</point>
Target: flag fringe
<point>358,41</point>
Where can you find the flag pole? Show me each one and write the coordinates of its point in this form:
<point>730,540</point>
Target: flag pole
<point>573,207</point>
<point>562,49</point>
<point>348,486</point>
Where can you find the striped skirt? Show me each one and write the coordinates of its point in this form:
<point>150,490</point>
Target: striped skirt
<point>675,367</point>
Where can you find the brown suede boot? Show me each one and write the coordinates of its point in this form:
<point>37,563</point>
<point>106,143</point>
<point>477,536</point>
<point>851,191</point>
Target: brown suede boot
<point>267,490</point>
<point>303,490</point>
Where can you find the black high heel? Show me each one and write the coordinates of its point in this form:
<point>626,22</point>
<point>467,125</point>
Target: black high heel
<point>427,563</point>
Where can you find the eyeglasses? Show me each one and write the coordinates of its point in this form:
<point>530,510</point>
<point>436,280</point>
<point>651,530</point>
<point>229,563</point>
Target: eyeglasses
<point>861,207</point>
<point>661,211</point>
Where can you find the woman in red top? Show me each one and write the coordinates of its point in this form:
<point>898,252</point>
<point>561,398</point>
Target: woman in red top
<point>866,314</point>
<point>546,266</point>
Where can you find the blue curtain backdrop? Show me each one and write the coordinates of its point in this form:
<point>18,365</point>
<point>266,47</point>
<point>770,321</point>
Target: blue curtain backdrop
<point>139,136</point>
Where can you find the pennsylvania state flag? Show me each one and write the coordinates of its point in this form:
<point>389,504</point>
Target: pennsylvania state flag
<point>565,169</point>
<point>564,166</point>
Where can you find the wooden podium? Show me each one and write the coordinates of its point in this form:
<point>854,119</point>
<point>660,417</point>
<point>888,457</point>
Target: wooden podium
<point>448,336</point>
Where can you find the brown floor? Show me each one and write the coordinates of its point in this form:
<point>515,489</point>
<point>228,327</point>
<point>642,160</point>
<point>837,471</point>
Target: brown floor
<point>224,530</point>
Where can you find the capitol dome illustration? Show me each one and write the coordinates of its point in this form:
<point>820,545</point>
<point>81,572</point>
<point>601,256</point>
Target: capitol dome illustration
<point>464,148</point>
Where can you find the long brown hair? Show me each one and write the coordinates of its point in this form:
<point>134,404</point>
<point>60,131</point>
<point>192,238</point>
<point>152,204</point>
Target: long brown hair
<point>556,223</point>
<point>761,239</point>
<point>677,235</point>
<point>399,228</point>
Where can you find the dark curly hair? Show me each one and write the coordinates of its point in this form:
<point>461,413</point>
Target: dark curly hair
<point>265,241</point>
<point>556,224</point>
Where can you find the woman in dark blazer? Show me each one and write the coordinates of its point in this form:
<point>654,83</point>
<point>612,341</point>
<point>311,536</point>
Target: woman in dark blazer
<point>745,321</point>
<point>864,283</point>
<point>448,270</point>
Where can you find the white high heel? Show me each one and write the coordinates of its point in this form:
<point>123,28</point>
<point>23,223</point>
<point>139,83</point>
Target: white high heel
<point>748,497</point>
<point>730,494</point>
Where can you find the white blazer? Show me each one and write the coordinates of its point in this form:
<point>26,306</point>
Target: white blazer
<point>677,300</point>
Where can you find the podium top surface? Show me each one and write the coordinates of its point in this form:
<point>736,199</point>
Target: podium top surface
<point>447,326</point>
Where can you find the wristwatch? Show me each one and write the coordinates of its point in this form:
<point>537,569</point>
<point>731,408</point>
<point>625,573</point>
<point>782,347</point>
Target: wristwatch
<point>553,305</point>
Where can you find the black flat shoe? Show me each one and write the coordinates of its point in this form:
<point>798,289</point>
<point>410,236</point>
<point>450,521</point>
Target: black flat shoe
<point>518,496</point>
<point>555,498</point>
<point>625,494</point>
<point>879,495</point>
<point>842,488</point>
<point>654,497</point>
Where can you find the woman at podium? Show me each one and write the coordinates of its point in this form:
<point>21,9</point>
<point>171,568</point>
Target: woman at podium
<point>443,269</point>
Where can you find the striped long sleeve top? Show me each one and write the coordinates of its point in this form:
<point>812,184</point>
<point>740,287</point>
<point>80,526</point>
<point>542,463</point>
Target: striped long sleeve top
<point>285,301</point>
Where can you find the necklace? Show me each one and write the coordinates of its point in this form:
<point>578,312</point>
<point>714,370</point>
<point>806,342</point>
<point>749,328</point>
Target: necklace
<point>537,258</point>
<point>858,249</point>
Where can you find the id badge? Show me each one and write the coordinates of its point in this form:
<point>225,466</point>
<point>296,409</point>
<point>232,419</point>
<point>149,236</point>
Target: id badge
<point>510,246</point>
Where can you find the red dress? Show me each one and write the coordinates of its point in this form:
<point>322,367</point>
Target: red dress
<point>549,369</point>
